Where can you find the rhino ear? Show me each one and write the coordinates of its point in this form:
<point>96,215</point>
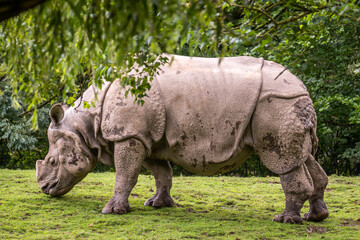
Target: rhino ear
<point>56,113</point>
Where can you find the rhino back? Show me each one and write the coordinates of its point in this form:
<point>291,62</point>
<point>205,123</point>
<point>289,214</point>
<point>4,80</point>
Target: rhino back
<point>279,82</point>
<point>208,107</point>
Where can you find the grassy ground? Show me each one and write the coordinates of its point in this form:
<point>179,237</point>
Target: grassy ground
<point>207,208</point>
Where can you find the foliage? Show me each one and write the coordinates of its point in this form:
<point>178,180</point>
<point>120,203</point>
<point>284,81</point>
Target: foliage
<point>46,53</point>
<point>20,147</point>
<point>318,42</point>
<point>108,37</point>
<point>328,63</point>
<point>206,208</point>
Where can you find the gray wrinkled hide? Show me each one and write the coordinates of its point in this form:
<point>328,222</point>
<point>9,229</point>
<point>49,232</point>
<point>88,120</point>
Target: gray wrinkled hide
<point>205,116</point>
<point>203,109</point>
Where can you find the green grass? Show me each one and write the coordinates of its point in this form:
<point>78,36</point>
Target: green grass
<point>206,208</point>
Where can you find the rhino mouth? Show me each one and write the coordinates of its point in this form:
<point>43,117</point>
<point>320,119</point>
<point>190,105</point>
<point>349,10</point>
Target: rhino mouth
<point>49,188</point>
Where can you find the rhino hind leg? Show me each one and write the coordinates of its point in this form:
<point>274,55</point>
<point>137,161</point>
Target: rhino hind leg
<point>318,210</point>
<point>298,187</point>
<point>284,137</point>
<point>163,179</point>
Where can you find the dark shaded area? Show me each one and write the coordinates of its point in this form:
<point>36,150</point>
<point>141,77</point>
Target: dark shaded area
<point>11,8</point>
<point>251,167</point>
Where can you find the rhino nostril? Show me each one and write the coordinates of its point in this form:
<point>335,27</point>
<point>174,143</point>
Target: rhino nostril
<point>45,189</point>
<point>47,186</point>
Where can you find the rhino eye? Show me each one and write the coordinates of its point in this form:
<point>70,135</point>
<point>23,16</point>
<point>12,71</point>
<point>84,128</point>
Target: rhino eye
<point>52,161</point>
<point>94,151</point>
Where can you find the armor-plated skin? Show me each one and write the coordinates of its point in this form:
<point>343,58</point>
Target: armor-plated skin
<point>205,116</point>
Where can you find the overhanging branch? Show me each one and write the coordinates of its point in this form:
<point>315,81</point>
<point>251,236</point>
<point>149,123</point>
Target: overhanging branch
<point>11,8</point>
<point>42,104</point>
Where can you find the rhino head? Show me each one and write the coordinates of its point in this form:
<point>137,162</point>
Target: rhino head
<point>70,158</point>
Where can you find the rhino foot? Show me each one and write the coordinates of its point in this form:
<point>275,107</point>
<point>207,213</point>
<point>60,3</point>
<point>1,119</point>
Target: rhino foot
<point>316,217</point>
<point>160,200</point>
<point>288,218</point>
<point>116,207</point>
<point>318,211</point>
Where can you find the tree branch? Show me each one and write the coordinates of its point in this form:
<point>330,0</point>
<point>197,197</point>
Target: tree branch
<point>268,8</point>
<point>37,107</point>
<point>11,8</point>
<point>294,18</point>
<point>254,9</point>
<point>300,7</point>
<point>41,104</point>
<point>277,15</point>
<point>273,19</point>
<point>81,93</point>
<point>352,18</point>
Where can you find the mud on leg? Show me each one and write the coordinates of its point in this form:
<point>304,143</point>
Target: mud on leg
<point>318,210</point>
<point>298,187</point>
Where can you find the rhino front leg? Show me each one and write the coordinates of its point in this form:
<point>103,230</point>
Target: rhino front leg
<point>298,187</point>
<point>129,156</point>
<point>163,179</point>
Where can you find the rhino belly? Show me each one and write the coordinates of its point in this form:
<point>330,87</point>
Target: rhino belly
<point>208,107</point>
<point>202,166</point>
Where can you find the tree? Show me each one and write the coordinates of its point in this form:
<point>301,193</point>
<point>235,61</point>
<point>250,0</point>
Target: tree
<point>20,147</point>
<point>48,46</point>
<point>46,49</point>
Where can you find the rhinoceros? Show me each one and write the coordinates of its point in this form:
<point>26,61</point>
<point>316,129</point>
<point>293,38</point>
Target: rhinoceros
<point>203,114</point>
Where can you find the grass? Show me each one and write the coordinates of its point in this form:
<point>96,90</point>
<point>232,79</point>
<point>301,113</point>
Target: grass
<point>206,208</point>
